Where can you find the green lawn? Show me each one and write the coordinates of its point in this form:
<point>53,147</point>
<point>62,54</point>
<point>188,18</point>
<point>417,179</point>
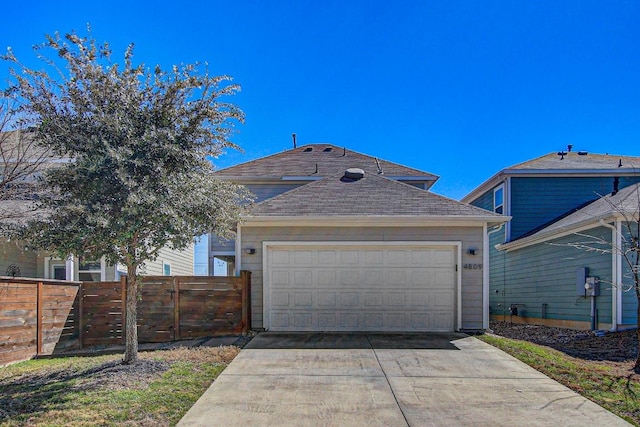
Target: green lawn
<point>611,388</point>
<point>89,391</point>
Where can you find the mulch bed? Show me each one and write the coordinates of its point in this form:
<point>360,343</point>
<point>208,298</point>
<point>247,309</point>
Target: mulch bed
<point>618,349</point>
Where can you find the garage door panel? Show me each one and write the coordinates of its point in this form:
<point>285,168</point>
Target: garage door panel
<point>327,300</point>
<point>360,289</point>
<point>280,257</point>
<point>373,299</point>
<point>280,299</point>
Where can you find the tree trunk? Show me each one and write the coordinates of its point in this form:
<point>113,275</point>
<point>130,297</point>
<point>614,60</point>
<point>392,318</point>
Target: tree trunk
<point>131,324</point>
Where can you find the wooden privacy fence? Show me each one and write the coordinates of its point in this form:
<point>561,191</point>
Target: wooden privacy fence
<point>39,317</point>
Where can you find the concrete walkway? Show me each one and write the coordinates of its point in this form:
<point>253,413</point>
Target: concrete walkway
<point>386,380</point>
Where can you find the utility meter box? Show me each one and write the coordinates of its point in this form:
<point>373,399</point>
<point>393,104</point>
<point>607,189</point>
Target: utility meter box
<point>581,279</point>
<point>592,286</point>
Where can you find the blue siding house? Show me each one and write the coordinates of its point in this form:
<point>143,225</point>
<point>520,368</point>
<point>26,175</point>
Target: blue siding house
<point>566,218</point>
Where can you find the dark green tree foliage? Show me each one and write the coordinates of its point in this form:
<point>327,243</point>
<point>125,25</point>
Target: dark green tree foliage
<point>140,140</point>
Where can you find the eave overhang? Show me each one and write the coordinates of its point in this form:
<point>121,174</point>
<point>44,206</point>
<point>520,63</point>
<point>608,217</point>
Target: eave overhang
<point>373,220</point>
<point>557,233</point>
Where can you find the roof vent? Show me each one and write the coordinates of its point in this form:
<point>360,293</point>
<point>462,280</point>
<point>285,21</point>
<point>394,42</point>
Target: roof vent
<point>308,149</point>
<point>582,153</point>
<point>353,174</point>
<point>326,150</point>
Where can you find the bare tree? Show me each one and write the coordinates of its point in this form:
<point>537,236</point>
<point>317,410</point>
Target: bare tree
<point>22,162</point>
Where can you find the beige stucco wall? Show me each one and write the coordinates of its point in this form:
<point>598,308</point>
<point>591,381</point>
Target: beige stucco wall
<point>470,237</point>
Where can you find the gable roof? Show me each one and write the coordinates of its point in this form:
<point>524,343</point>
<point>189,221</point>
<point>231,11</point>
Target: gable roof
<point>319,160</point>
<point>564,164</point>
<point>624,202</point>
<point>370,196</point>
<point>580,160</point>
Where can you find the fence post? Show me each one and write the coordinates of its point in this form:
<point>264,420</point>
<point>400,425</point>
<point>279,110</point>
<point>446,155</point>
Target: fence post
<point>176,309</point>
<point>123,290</point>
<point>39,301</point>
<point>246,300</point>
<point>81,314</point>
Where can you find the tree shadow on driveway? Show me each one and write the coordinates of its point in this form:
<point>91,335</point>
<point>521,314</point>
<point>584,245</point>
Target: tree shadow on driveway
<point>347,340</point>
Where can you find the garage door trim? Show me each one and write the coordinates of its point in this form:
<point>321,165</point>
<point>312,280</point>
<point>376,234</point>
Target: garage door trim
<point>267,245</point>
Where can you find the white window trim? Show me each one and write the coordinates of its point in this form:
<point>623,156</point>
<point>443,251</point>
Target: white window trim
<point>103,269</point>
<point>501,187</point>
<point>164,263</point>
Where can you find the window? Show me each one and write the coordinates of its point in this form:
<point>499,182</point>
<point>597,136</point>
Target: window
<point>223,265</point>
<point>89,270</point>
<point>59,272</point>
<point>166,269</point>
<point>498,200</point>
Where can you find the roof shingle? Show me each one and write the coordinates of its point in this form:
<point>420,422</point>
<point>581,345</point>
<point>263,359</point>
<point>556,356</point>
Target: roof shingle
<point>372,195</point>
<point>318,160</point>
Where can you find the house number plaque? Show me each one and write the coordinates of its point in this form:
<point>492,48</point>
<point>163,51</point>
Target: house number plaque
<point>472,266</point>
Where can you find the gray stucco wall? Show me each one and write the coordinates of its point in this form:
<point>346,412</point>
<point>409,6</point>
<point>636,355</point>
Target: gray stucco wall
<point>470,237</point>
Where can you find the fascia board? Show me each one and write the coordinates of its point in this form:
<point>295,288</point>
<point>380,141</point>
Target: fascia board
<point>393,221</point>
<point>554,234</point>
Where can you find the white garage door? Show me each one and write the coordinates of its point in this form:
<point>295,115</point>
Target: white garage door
<point>359,288</point>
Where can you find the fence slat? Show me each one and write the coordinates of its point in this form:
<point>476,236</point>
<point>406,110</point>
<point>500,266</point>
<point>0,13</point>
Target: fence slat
<point>47,316</point>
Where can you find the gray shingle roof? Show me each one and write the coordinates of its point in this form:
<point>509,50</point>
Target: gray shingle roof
<point>574,160</point>
<point>626,201</point>
<point>372,195</point>
<point>329,160</point>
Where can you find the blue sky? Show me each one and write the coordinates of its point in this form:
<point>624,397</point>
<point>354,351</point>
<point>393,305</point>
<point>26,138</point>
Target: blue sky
<point>461,89</point>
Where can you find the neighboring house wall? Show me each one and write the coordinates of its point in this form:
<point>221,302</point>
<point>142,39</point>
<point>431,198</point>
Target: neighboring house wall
<point>543,278</point>
<point>629,298</point>
<point>13,253</point>
<point>181,263</point>
<point>536,201</point>
<point>471,238</point>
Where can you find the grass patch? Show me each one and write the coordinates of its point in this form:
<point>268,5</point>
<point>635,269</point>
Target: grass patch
<point>89,391</point>
<point>619,393</point>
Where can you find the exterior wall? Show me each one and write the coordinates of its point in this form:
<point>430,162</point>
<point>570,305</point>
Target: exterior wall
<point>536,201</point>
<point>543,278</point>
<point>485,201</point>
<point>181,263</point>
<point>12,254</point>
<point>471,237</point>
<point>629,298</point>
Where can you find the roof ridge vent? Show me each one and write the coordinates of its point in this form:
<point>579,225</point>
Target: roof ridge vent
<point>582,153</point>
<point>327,149</point>
<point>308,149</point>
<point>353,174</point>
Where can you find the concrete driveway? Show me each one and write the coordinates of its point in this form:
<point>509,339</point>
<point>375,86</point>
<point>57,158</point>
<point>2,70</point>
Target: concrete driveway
<point>307,379</point>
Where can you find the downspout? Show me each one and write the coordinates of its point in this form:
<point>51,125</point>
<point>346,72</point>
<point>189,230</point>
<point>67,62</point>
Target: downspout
<point>485,274</point>
<point>238,250</point>
<point>616,242</point>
